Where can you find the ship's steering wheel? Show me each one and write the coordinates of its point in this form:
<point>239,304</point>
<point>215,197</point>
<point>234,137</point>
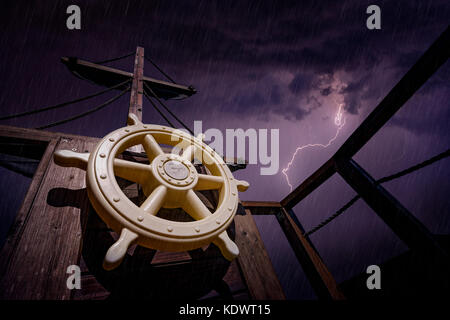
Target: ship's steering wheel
<point>169,181</point>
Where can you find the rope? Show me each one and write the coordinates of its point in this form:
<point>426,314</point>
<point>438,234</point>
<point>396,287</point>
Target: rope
<point>167,109</point>
<point>115,59</point>
<point>87,112</point>
<point>159,111</point>
<point>418,166</point>
<point>19,161</point>
<point>394,176</point>
<point>334,216</point>
<point>159,69</point>
<point>26,113</point>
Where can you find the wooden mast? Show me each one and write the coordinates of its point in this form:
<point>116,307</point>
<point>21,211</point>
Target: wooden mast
<point>137,86</point>
<point>137,90</point>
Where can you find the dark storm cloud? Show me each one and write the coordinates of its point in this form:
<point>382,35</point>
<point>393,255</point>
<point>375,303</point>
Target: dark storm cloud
<point>323,38</point>
<point>352,94</point>
<point>297,113</point>
<point>301,84</point>
<point>263,105</point>
<point>221,38</point>
<point>326,92</point>
<point>248,100</point>
<point>275,95</point>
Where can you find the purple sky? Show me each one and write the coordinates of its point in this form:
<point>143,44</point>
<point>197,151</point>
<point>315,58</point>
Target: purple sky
<point>285,65</point>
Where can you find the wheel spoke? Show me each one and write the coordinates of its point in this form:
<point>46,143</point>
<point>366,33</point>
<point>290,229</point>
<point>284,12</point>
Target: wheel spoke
<point>208,182</point>
<point>151,147</point>
<point>131,171</point>
<point>188,153</point>
<point>228,248</point>
<point>195,207</point>
<point>155,200</point>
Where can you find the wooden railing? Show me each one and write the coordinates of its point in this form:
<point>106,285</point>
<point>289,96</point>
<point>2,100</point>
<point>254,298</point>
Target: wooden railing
<point>409,229</point>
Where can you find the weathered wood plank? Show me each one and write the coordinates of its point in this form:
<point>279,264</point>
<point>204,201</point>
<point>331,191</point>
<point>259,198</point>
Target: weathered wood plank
<point>163,257</point>
<point>39,135</point>
<point>27,134</point>
<point>51,237</point>
<point>262,207</point>
<point>254,261</point>
<point>318,274</point>
<point>22,216</point>
<point>257,204</point>
<point>91,289</point>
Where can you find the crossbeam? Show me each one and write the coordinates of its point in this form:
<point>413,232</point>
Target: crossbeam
<point>423,69</point>
<point>407,227</point>
<point>108,77</point>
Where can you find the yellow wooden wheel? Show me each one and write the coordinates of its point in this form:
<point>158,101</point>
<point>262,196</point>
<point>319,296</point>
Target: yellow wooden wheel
<point>169,181</point>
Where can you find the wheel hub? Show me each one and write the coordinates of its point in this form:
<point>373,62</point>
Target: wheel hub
<point>174,171</point>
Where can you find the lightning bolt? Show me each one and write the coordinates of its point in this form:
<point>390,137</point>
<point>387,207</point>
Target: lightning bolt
<point>339,121</point>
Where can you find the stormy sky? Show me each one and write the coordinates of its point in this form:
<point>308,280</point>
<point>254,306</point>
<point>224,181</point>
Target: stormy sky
<point>284,65</point>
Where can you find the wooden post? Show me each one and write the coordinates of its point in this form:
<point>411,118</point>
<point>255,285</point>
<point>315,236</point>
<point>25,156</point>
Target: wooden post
<point>136,88</point>
<point>254,261</point>
<point>407,227</point>
<point>315,269</point>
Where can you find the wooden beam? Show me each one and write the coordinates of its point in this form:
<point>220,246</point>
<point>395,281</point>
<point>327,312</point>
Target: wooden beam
<point>316,271</point>
<point>136,88</point>
<point>261,204</point>
<point>108,77</point>
<point>17,228</point>
<point>254,261</point>
<point>262,207</point>
<point>309,185</point>
<point>39,135</point>
<point>407,227</point>
<point>422,70</point>
<point>50,235</point>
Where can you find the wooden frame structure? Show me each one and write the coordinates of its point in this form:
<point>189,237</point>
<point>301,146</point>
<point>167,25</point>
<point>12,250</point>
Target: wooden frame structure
<point>45,240</point>
<point>409,229</point>
<point>49,234</point>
